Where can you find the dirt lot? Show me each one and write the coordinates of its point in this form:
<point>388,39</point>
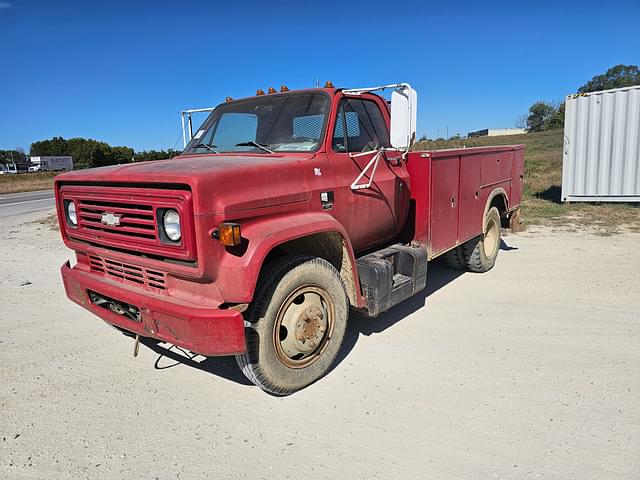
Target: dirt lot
<point>529,371</point>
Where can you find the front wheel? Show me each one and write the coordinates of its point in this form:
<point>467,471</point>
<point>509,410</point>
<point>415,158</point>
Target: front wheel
<point>296,325</point>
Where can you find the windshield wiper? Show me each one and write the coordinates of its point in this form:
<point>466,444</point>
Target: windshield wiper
<point>207,146</point>
<point>251,143</point>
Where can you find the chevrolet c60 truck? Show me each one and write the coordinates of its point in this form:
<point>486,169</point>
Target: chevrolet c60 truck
<point>284,211</point>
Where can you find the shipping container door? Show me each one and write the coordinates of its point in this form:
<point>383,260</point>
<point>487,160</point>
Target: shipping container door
<point>444,203</point>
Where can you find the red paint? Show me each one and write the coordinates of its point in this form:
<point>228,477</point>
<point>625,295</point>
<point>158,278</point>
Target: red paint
<point>138,208</point>
<point>436,199</point>
<point>199,328</point>
<point>470,197</point>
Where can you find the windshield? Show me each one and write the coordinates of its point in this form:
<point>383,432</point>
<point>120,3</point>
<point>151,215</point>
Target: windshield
<point>265,124</point>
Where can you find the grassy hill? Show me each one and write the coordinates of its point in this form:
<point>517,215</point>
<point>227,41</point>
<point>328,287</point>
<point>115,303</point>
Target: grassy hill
<point>542,181</point>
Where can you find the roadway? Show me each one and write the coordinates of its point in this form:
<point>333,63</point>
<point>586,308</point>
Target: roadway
<point>22,203</point>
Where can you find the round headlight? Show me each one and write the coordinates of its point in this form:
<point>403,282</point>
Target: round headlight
<point>171,224</point>
<point>71,213</point>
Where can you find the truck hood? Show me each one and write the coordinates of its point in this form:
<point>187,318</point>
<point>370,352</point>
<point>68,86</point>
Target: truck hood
<point>219,183</point>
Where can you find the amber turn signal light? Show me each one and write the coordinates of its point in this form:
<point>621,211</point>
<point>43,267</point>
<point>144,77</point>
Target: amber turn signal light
<point>228,234</point>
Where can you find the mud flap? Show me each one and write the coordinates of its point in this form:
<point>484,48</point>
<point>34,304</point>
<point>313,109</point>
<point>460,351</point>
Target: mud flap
<point>516,222</point>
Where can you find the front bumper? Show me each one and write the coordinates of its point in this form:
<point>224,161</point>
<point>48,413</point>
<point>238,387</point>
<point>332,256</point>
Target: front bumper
<point>204,330</point>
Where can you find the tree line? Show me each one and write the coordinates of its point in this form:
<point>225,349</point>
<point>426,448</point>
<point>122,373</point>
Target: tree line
<point>13,156</point>
<point>89,153</point>
<point>545,115</point>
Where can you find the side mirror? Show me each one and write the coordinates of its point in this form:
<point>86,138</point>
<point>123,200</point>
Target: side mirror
<point>404,102</point>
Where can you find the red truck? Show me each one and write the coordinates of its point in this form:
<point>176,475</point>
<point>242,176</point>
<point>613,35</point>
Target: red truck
<point>284,211</point>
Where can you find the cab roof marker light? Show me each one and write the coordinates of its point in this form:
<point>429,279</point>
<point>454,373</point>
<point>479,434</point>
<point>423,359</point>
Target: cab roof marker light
<point>284,88</point>
<point>259,92</point>
<point>271,90</point>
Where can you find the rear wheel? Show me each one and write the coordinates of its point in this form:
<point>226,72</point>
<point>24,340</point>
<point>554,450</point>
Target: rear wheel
<point>482,251</point>
<point>296,325</point>
<point>456,259</point>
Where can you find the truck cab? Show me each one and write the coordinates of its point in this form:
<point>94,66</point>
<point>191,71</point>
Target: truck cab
<point>284,211</point>
<point>313,157</point>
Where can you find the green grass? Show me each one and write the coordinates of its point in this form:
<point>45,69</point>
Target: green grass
<point>543,178</point>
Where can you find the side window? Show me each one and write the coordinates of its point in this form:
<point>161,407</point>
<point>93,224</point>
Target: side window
<point>360,127</point>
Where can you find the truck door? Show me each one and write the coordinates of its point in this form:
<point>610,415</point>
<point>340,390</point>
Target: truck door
<point>375,214</point>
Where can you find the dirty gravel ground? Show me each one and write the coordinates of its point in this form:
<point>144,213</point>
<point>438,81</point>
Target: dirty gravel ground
<point>529,371</point>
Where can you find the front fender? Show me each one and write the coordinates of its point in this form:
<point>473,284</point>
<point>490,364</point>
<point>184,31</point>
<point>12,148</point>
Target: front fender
<point>239,269</point>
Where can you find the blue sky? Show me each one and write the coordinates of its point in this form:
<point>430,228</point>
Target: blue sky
<point>121,71</point>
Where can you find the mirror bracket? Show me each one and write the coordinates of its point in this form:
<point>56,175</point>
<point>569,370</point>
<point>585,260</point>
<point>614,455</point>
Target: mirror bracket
<point>403,112</point>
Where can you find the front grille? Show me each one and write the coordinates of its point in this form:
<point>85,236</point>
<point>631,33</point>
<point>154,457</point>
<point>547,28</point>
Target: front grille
<point>134,220</point>
<point>126,220</point>
<point>152,280</point>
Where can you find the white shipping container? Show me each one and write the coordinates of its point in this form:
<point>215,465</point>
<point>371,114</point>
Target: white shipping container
<point>601,158</point>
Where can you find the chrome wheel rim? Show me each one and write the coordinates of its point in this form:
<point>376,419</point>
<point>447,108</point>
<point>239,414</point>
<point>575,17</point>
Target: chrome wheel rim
<point>303,326</point>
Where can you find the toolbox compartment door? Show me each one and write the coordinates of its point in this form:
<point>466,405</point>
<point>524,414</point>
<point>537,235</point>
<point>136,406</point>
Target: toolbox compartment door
<point>445,174</point>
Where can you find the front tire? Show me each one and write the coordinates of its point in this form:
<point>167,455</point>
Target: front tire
<point>296,325</point>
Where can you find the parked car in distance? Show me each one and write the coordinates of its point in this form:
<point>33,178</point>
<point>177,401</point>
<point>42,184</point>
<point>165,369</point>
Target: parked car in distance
<point>8,169</point>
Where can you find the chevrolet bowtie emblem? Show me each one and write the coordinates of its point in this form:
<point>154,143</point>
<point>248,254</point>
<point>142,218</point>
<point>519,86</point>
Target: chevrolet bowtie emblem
<point>110,219</point>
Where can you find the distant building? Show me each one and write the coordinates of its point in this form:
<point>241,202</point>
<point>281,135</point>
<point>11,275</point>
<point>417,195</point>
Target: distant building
<point>496,132</point>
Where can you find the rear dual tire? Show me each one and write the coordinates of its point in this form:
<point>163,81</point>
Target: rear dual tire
<point>478,254</point>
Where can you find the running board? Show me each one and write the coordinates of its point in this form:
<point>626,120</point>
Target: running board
<point>391,275</point>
